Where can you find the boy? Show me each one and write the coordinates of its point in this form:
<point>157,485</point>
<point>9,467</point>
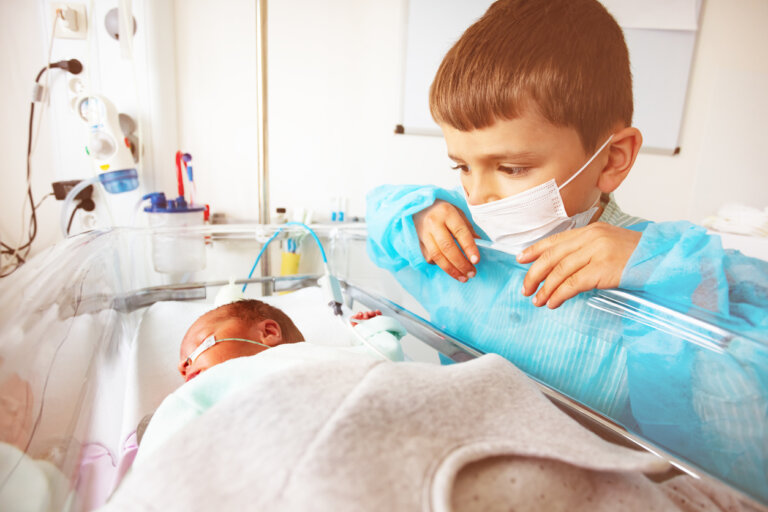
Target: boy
<point>535,104</point>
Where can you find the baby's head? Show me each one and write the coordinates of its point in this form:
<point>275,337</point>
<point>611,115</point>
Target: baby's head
<point>264,325</point>
<point>532,89</point>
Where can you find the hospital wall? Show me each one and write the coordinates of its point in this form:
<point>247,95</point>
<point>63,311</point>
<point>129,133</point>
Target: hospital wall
<point>334,99</point>
<point>143,87</point>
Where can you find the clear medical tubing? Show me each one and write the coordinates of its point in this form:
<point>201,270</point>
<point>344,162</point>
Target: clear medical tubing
<point>70,198</point>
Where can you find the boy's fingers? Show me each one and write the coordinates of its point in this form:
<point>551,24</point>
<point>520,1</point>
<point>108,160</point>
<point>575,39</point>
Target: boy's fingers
<point>439,259</point>
<point>464,234</point>
<point>565,268</point>
<point>425,251</point>
<point>446,244</point>
<point>547,260</point>
<point>534,251</point>
<point>583,280</point>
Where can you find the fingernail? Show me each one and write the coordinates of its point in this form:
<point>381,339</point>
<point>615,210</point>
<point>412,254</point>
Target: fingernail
<point>474,258</point>
<point>471,274</point>
<point>535,301</point>
<point>522,290</point>
<point>462,279</point>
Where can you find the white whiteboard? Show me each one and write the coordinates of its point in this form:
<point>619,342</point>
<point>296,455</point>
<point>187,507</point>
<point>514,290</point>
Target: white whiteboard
<point>661,37</point>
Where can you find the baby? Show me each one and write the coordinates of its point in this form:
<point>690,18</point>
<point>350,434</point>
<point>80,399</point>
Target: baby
<point>244,328</point>
<point>239,329</point>
<point>231,333</point>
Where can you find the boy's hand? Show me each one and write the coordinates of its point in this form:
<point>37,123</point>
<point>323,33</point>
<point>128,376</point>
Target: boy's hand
<point>440,228</point>
<point>577,260</point>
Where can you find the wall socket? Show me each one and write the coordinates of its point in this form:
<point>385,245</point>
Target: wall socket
<point>73,22</point>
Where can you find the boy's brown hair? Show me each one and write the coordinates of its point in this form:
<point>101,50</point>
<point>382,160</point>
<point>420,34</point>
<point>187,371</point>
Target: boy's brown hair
<point>566,59</point>
<point>251,310</point>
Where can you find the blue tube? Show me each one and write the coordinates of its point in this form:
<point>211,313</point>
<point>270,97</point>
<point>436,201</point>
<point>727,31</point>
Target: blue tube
<point>263,248</point>
<point>322,251</point>
<point>269,241</point>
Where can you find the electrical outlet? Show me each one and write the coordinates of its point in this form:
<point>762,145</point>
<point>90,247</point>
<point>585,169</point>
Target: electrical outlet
<point>62,188</point>
<point>72,23</point>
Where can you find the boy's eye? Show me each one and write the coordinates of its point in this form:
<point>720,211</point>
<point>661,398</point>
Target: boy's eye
<point>460,167</point>
<point>513,171</point>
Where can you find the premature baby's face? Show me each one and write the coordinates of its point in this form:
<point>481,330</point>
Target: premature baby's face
<point>212,323</point>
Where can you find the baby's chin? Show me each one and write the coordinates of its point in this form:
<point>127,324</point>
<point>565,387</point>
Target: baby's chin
<point>198,371</point>
<point>194,374</point>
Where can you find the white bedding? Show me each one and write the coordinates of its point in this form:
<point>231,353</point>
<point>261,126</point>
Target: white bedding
<point>154,355</point>
<point>363,434</point>
<point>93,377</point>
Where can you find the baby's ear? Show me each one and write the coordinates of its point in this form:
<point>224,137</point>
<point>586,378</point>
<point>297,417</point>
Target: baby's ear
<point>623,151</point>
<point>270,331</point>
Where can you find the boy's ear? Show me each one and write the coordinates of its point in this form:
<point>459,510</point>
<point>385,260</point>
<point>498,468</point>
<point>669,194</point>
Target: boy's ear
<point>270,332</point>
<point>622,153</point>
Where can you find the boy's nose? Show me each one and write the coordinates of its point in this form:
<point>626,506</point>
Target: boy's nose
<point>480,190</point>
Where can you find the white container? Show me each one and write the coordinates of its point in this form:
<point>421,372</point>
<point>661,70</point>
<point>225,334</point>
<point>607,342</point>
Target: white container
<point>177,252</point>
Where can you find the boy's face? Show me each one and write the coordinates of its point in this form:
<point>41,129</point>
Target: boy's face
<point>222,326</point>
<point>512,156</point>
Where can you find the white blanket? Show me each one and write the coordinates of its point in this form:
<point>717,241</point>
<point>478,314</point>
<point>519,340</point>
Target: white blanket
<point>360,434</point>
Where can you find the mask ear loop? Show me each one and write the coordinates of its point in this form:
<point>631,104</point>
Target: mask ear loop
<point>586,164</point>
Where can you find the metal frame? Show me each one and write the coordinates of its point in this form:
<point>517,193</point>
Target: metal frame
<point>262,157</point>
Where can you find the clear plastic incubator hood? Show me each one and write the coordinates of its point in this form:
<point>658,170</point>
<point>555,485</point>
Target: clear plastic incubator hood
<point>90,333</point>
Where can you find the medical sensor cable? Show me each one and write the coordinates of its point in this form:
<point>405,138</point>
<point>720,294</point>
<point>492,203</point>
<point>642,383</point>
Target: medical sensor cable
<point>266,244</point>
<point>328,282</point>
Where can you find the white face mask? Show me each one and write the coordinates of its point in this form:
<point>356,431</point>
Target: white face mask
<point>520,220</point>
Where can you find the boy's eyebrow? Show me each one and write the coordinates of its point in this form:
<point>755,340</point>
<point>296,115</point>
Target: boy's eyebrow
<point>511,155</point>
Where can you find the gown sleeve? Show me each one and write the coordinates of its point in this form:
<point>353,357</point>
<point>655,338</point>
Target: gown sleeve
<point>708,398</point>
<point>679,263</point>
<point>392,240</point>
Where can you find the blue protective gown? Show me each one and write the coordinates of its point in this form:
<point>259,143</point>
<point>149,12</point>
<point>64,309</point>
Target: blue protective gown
<point>706,405</point>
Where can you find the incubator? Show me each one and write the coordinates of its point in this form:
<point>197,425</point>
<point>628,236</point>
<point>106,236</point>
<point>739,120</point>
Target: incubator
<point>90,332</point>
